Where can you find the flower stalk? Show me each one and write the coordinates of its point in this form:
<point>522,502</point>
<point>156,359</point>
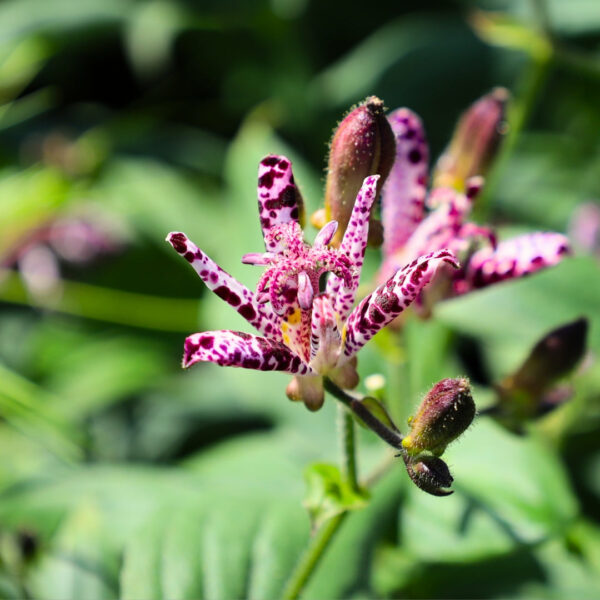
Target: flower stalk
<point>348,439</point>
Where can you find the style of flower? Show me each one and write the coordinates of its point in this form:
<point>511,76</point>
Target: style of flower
<point>416,223</point>
<point>306,332</point>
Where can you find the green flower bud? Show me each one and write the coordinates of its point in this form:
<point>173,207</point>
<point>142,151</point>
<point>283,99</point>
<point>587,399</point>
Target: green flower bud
<point>445,413</point>
<point>362,145</point>
<point>475,142</point>
<point>430,474</point>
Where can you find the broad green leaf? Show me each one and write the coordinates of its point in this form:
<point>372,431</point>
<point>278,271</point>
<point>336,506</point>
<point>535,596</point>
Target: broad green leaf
<point>241,547</point>
<point>79,563</point>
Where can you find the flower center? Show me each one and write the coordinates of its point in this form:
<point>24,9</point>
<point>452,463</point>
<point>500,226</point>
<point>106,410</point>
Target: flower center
<point>291,278</point>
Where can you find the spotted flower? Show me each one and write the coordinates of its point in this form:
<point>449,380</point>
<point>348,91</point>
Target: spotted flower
<point>417,222</point>
<point>302,306</point>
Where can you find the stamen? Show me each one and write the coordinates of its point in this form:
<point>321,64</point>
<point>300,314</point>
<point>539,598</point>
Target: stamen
<point>326,234</point>
<point>258,258</point>
<point>305,291</point>
<point>473,186</point>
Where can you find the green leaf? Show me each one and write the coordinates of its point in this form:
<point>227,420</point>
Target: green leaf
<point>79,563</point>
<point>27,199</point>
<point>377,409</point>
<point>508,491</point>
<point>339,85</point>
<point>329,493</point>
<point>217,548</point>
<point>25,406</point>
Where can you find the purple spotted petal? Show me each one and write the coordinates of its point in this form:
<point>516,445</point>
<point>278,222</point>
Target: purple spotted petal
<point>353,246</point>
<point>442,227</point>
<point>513,258</point>
<point>325,338</point>
<point>278,198</point>
<point>237,349</point>
<point>226,287</point>
<point>391,298</point>
<point>403,194</point>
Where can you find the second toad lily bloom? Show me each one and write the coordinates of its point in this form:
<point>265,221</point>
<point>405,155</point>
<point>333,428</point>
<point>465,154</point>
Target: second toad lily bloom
<point>417,222</point>
<point>304,332</point>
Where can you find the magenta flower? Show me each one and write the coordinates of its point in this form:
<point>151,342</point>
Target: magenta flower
<point>304,331</point>
<point>417,223</point>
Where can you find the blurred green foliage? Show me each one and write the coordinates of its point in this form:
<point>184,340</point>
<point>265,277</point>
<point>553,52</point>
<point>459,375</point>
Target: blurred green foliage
<point>121,475</point>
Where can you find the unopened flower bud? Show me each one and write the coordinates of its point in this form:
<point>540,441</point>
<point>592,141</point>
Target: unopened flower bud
<point>475,142</point>
<point>430,474</point>
<point>362,145</point>
<point>445,413</point>
<point>532,391</point>
<point>553,357</point>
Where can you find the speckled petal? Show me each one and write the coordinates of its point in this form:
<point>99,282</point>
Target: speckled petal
<point>441,229</point>
<point>279,200</point>
<point>353,246</point>
<point>390,299</point>
<point>227,287</point>
<point>325,338</point>
<point>295,329</point>
<point>237,349</point>
<point>403,195</point>
<point>513,258</point>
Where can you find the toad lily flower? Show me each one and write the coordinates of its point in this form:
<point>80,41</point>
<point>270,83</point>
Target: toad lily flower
<point>417,223</point>
<point>304,332</point>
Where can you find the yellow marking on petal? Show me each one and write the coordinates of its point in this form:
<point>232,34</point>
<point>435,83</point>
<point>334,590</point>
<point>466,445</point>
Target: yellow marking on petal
<point>286,339</point>
<point>294,318</point>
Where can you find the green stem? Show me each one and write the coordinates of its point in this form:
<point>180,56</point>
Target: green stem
<point>320,542</point>
<point>348,446</point>
<point>391,437</point>
<point>311,557</point>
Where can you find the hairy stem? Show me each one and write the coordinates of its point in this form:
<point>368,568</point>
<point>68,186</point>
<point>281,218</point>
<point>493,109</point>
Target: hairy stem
<point>393,438</point>
<point>318,545</point>
<point>311,557</point>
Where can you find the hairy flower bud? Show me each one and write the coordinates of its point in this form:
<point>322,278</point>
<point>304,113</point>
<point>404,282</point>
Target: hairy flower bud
<point>362,145</point>
<point>445,413</point>
<point>475,142</point>
<point>430,474</point>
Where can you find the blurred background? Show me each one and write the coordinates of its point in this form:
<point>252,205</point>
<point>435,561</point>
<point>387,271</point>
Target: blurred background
<point>123,476</point>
